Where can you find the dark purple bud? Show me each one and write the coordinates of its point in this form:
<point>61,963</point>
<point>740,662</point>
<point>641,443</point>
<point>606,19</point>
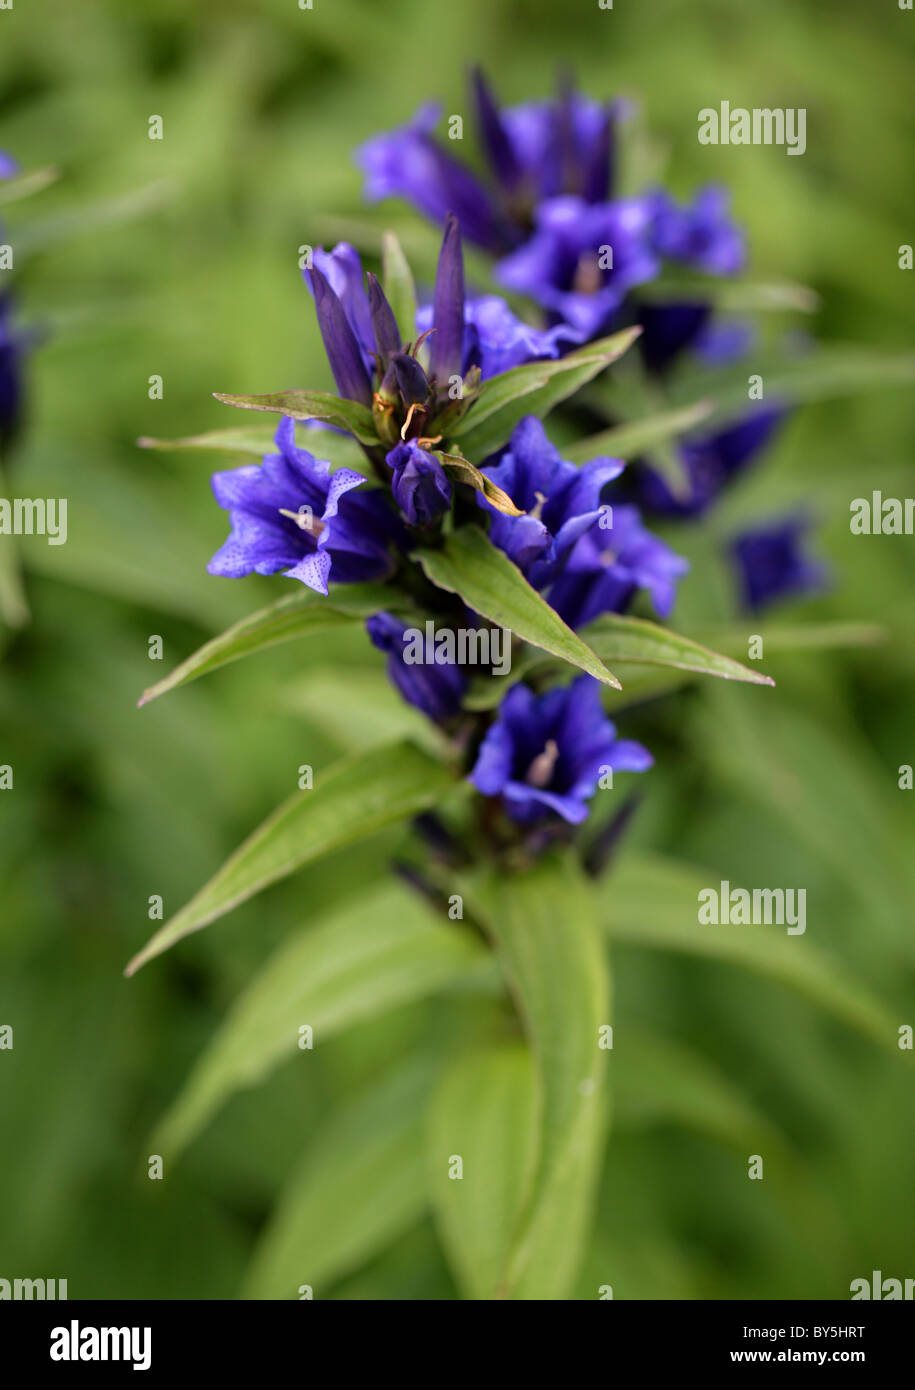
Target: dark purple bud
<point>596,173</point>
<point>447,343</point>
<point>340,343</point>
<point>412,381</point>
<point>384,324</point>
<point>419,485</point>
<point>498,147</point>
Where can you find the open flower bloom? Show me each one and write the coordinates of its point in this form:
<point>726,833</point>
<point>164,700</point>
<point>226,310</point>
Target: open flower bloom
<point>291,514</point>
<point>533,151</point>
<point>771,563</point>
<point>545,755</point>
<point>583,259</point>
<point>701,234</point>
<point>606,567</point>
<point>560,500</point>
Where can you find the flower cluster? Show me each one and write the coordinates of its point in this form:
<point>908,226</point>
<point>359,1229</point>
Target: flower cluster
<point>446,405</point>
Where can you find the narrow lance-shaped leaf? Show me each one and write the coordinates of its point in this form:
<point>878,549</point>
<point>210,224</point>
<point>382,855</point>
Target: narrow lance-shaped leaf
<point>468,564</point>
<point>359,1186</point>
<point>532,390</point>
<point>486,1109</point>
<point>636,437</point>
<point>653,902</point>
<point>546,934</point>
<point>399,288</point>
<point>458,468</point>
<point>351,416</point>
<point>355,798</point>
<point>296,615</point>
<point>341,450</point>
<point>381,949</point>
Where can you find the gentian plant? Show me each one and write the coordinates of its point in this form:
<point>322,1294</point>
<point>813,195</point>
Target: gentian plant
<point>474,495</point>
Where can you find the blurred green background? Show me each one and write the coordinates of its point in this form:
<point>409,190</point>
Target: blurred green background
<point>179,258</point>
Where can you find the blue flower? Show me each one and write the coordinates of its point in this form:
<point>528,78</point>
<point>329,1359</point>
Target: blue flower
<point>11,383</point>
<point>420,487</point>
<point>534,151</point>
<point>8,165</point>
<point>583,259</point>
<point>772,565</point>
<point>291,513</point>
<point>711,463</point>
<point>545,755</point>
<point>606,567</point>
<point>701,235</point>
<point>561,501</point>
<point>433,685</point>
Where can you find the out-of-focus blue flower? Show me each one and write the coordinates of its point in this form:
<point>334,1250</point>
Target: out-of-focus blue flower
<point>560,501</point>
<point>534,151</point>
<point>711,463</point>
<point>495,339</point>
<point>545,755</point>
<point>606,567</point>
<point>433,685</point>
<point>771,563</point>
<point>291,513</point>
<point>420,487</point>
<point>669,330</point>
<point>8,165</point>
<point>701,235</point>
<point>11,380</point>
<point>583,259</point>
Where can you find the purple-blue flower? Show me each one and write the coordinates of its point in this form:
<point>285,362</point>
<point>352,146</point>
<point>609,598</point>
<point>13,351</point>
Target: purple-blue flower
<point>560,500</point>
<point>711,463</point>
<point>291,513</point>
<point>606,567</point>
<point>534,151</point>
<point>772,564</point>
<point>701,235</point>
<point>420,487</point>
<point>11,383</point>
<point>433,685</point>
<point>583,259</point>
<point>546,754</point>
<point>8,165</point>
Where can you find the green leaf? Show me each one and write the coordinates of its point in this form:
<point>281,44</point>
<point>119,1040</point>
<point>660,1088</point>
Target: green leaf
<point>804,637</point>
<point>636,437</point>
<point>342,414</point>
<point>297,615</point>
<point>653,902</point>
<point>658,1081</point>
<point>829,371</point>
<point>732,296</point>
<point>25,184</point>
<point>625,641</point>
<point>486,1112</point>
<point>384,948</point>
<point>544,927</point>
<point>360,1185</point>
<point>397,281</point>
<point>249,439</point>
<point>468,564</point>
<point>353,799</point>
<point>457,467</point>
<point>533,390</point>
